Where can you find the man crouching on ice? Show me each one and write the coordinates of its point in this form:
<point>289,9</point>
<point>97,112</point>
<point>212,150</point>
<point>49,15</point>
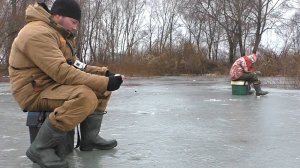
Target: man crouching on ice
<point>45,75</point>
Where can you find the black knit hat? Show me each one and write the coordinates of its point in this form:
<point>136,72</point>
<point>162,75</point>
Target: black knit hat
<point>69,8</point>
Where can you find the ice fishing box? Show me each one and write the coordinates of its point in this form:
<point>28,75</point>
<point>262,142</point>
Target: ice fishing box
<point>240,87</point>
<point>34,123</point>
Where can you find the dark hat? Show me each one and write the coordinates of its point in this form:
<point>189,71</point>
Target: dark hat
<point>69,8</point>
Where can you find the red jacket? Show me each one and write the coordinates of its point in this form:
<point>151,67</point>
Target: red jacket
<point>242,65</point>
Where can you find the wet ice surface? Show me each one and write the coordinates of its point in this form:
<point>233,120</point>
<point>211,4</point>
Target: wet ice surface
<point>175,122</point>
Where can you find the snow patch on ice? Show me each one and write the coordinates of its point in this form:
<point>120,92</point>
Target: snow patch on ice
<point>5,136</point>
<point>9,150</point>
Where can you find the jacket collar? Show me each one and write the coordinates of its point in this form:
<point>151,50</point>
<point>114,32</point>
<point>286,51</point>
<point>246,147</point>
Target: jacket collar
<point>65,33</point>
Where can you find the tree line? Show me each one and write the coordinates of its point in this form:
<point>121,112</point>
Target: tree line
<point>170,35</point>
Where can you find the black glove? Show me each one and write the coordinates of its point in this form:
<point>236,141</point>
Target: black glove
<point>108,73</point>
<point>114,83</point>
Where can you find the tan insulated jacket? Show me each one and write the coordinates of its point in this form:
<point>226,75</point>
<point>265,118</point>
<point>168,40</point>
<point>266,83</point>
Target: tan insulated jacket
<point>40,57</point>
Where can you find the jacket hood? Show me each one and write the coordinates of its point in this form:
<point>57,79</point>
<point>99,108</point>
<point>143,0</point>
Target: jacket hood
<point>36,13</point>
<point>252,58</point>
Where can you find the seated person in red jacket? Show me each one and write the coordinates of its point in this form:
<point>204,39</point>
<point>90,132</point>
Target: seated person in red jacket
<point>242,69</point>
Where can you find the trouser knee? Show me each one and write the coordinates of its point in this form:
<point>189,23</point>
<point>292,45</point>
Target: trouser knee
<point>87,100</point>
<point>103,101</point>
<point>81,103</point>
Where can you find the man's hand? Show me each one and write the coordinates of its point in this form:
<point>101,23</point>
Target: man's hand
<point>258,73</point>
<point>114,83</point>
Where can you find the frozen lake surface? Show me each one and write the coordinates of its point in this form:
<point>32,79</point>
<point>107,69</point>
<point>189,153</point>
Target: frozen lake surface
<point>175,122</point>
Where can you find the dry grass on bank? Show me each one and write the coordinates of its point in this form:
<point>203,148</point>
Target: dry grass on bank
<point>287,66</point>
<point>161,67</point>
<point>285,69</point>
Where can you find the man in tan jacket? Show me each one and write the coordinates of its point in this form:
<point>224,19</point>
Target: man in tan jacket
<point>45,75</point>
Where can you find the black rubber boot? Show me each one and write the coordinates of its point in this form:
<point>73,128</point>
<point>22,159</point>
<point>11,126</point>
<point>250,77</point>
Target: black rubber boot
<point>258,90</point>
<point>42,150</point>
<point>89,130</point>
<point>250,92</point>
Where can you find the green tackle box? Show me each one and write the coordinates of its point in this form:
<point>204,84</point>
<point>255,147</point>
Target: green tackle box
<point>240,87</point>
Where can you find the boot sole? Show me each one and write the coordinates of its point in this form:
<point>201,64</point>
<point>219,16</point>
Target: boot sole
<point>32,157</point>
<point>36,160</point>
<point>91,147</point>
<point>261,94</point>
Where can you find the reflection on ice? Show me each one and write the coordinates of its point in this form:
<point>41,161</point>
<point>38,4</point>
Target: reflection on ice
<point>5,94</point>
<point>213,100</point>
<point>143,112</point>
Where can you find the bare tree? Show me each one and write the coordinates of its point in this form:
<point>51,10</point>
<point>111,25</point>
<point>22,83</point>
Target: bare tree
<point>5,15</point>
<point>166,18</point>
<point>132,29</point>
<point>112,29</point>
<point>223,13</point>
<point>289,31</point>
<point>194,23</point>
<point>12,28</point>
<point>263,11</point>
<point>240,19</point>
<point>213,33</point>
